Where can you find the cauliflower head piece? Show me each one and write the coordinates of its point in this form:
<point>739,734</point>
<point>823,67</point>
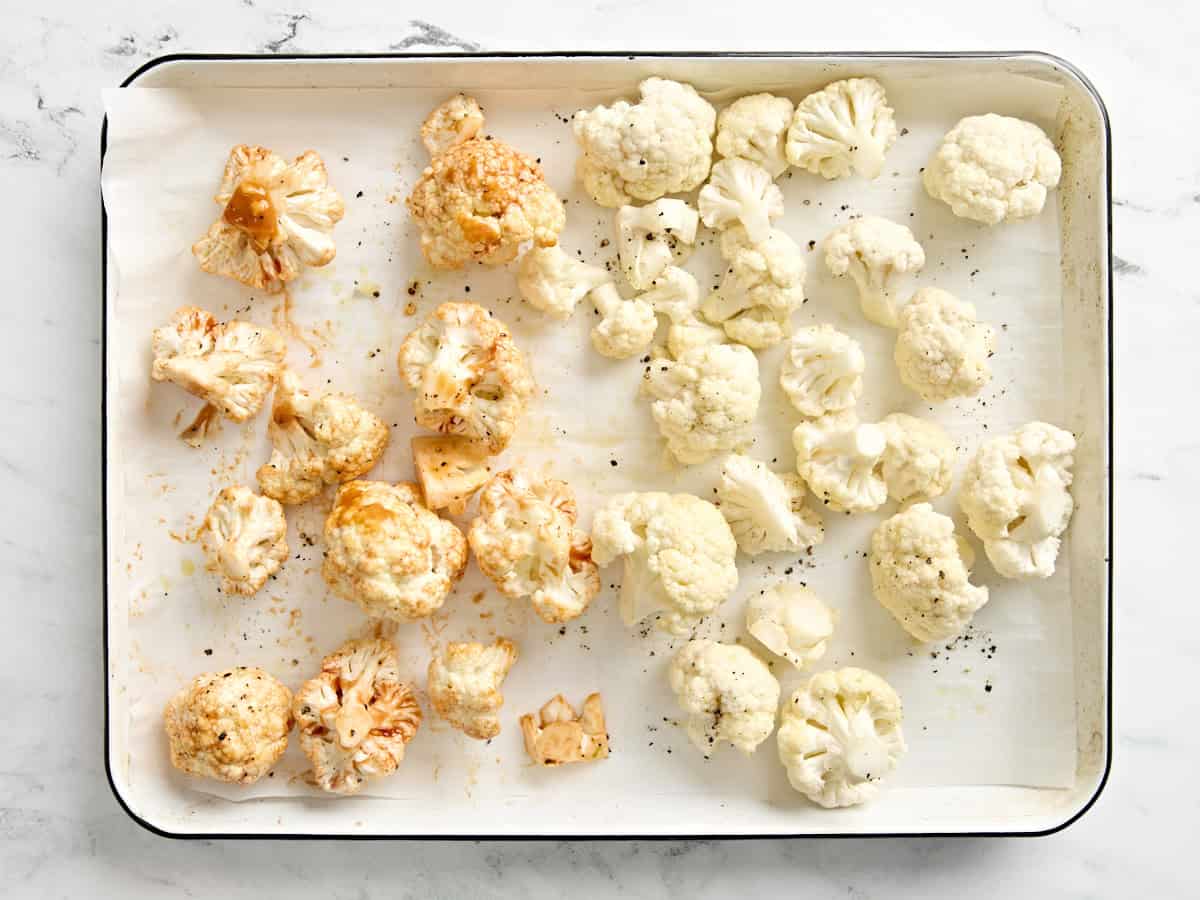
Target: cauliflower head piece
<point>741,191</point>
<point>920,574</point>
<point>244,537</point>
<point>450,469</point>
<point>822,371</point>
<point>792,622</point>
<point>942,350</point>
<point>755,128</point>
<point>728,693</point>
<point>553,282</point>
<point>872,250</point>
<point>388,553</point>
<point>557,734</point>
<point>763,285</point>
<point>846,126</point>
<point>356,716</point>
<point>841,460</point>
<point>626,327</point>
<point>468,376</point>
<point>679,556</point>
<point>231,726</point>
<point>526,542</point>
<point>840,735</point>
<point>993,169</point>
<point>652,237</point>
<point>1017,498</point>
<point>464,685</point>
<point>640,151</point>
<point>453,121</point>
<point>765,511</point>
<point>918,463</point>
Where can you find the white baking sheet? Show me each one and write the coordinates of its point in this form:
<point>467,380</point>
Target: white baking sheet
<point>996,708</point>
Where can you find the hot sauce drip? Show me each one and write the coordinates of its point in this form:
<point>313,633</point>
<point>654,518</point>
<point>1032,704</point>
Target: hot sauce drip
<point>250,210</point>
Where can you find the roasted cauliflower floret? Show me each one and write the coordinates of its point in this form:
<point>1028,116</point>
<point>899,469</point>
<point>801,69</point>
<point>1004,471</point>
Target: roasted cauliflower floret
<point>526,542</point>
<point>918,463</point>
<point>741,191</point>
<point>232,726</point>
<point>846,126</point>
<point>557,734</point>
<point>553,282</point>
<point>277,218</point>
<point>765,511</point>
<point>356,716</point>
<point>942,351</point>
<point>840,735</point>
<point>920,570</point>
<point>792,622</point>
<point>763,285</point>
<point>873,250</point>
<point>822,371</point>
<point>464,685</point>
<point>626,327</point>
<point>755,128</point>
<point>244,537</point>
<point>456,120</point>
<point>388,553</point>
<point>1016,494</point>
<point>450,469</point>
<point>468,376</point>
<point>728,693</point>
<point>650,238</point>
<point>841,461</point>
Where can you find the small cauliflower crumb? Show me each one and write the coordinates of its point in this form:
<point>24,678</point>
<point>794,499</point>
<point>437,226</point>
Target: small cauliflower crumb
<point>558,735</point>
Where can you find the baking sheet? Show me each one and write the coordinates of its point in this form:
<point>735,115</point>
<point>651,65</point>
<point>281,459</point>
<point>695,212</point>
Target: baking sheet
<point>165,152</point>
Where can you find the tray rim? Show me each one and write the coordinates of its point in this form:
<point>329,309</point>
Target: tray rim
<point>217,57</point>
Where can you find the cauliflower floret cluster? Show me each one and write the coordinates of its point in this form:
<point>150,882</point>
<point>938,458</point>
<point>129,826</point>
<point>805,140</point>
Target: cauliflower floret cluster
<point>356,716</point>
<point>766,511</point>
<point>232,726</point>
<point>993,169</point>
<point>276,219</point>
<point>558,735</point>
<point>652,237</point>
<point>626,327</point>
<point>918,463</point>
<point>679,556</point>
<point>846,126</point>
<point>455,120</point>
<point>450,469</point>
<point>942,350</point>
<point>740,191</point>
<point>660,145</point>
<point>792,622</point>
<point>526,542</point>
<point>872,250</point>
<point>1016,494</point>
<point>728,693</point>
<point>822,371</point>
<point>388,553</point>
<point>762,287</point>
<point>464,685</point>
<point>468,376</point>
<point>552,281</point>
<point>755,128</point>
<point>920,570</point>
<point>675,294</point>
<point>244,537</point>
<point>840,735</point>
<point>841,461</point>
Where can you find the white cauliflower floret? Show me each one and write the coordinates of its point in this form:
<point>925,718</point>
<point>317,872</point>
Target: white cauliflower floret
<point>317,441</point>
<point>277,218</point>
<point>679,556</point>
<point>846,126</point>
<point>920,573</point>
<point>356,716</point>
<point>766,511</point>
<point>650,238</point>
<point>705,401</point>
<point>526,542</point>
<point>552,281</point>
<point>840,735</point>
<point>388,553</point>
<point>755,128</point>
<point>728,693</point>
<point>822,371</point>
<point>464,685</point>
<point>1016,494</point>
<point>626,327</point>
<point>740,191</point>
<point>676,294</point>
<point>918,463</point>
<point>468,375</point>
<point>455,120</point>
<point>558,735</point>
<point>993,169</point>
<point>792,622</point>
<point>871,250</point>
<point>942,351</point>
<point>450,470</point>
<point>841,460</point>
<point>762,287</point>
<point>660,145</point>
<point>232,726</point>
<point>244,537</point>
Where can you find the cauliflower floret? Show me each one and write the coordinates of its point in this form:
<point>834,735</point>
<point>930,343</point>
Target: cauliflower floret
<point>232,726</point>
<point>871,250</point>
<point>317,441</point>
<point>450,469</point>
<point>244,537</point>
<point>1016,494</point>
<point>277,218</point>
<point>660,145</point>
<point>705,401</point>
<point>676,294</point>
<point>762,287</point>
<point>388,553</point>
<point>464,685</point>
<point>468,375</point>
<point>755,128</point>
<point>845,126</point>
<point>230,366</point>
<point>525,540</point>
<point>841,461</point>
<point>918,463</point>
<point>993,169</point>
<point>626,327</point>
<point>559,735</point>
<point>650,238</point>
<point>792,622</point>
<point>355,717</point>
<point>740,191</point>
<point>942,351</point>
<point>553,282</point>
<point>728,693</point>
<point>822,371</point>
<point>766,511</point>
<point>456,120</point>
<point>840,735</point>
<point>479,201</point>
<point>679,556</point>
<point>920,570</point>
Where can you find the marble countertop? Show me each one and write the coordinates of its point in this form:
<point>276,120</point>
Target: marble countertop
<point>62,833</point>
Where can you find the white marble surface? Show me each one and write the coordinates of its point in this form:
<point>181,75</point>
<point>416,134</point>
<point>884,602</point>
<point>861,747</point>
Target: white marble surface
<point>62,834</point>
